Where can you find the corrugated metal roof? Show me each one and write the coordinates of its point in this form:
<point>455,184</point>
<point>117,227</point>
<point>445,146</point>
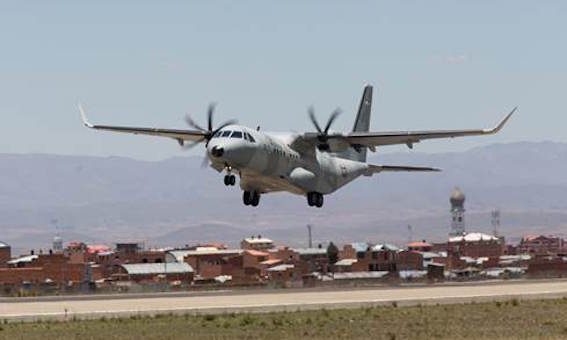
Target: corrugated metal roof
<point>360,247</point>
<point>3,245</point>
<point>281,268</point>
<point>473,237</point>
<point>258,240</point>
<point>385,247</point>
<point>23,259</point>
<point>180,254</point>
<point>157,268</point>
<point>310,251</point>
<point>346,262</point>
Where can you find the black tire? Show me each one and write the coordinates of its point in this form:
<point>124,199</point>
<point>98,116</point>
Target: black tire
<point>226,180</point>
<point>232,180</point>
<point>255,199</point>
<point>319,201</point>
<point>310,199</point>
<point>246,198</point>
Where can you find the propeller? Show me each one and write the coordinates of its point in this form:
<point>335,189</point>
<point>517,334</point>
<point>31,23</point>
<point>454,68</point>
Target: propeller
<point>323,134</point>
<point>210,131</point>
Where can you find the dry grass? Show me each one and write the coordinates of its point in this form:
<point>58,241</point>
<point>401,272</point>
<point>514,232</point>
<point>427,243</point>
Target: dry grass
<point>514,319</point>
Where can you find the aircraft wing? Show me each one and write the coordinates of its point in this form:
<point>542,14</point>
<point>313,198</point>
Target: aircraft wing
<point>374,139</point>
<point>179,135</point>
<point>373,169</point>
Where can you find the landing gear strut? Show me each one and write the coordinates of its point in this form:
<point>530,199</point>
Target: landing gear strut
<point>315,199</point>
<point>251,198</point>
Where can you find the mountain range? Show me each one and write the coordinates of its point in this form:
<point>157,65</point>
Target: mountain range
<point>175,202</point>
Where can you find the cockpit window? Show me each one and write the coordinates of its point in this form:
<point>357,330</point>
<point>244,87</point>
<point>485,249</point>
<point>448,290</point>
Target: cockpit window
<point>250,138</point>
<point>217,134</point>
<point>236,134</point>
<point>226,133</point>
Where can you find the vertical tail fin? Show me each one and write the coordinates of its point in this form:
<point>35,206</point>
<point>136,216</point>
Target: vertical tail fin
<point>361,124</point>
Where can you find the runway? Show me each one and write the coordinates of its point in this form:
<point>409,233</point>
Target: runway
<point>274,300</point>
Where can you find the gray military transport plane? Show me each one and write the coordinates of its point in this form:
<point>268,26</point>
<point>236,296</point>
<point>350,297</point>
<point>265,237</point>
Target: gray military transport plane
<point>310,164</point>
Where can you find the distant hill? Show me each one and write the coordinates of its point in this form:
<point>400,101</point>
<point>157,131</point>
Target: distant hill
<point>175,201</point>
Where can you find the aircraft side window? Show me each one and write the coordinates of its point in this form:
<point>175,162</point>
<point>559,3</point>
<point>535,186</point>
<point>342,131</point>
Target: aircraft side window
<point>226,133</point>
<point>245,135</point>
<point>236,134</point>
<point>250,138</point>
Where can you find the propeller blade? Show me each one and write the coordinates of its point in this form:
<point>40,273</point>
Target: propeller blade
<point>332,118</point>
<point>192,145</point>
<point>192,123</point>
<point>210,113</point>
<point>311,112</point>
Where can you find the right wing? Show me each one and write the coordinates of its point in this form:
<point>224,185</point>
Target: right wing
<point>179,135</point>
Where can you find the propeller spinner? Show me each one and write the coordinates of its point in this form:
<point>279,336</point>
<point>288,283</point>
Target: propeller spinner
<point>210,131</point>
<point>323,133</point>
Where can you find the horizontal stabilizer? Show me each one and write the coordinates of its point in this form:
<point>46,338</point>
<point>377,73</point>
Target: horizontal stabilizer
<point>373,169</point>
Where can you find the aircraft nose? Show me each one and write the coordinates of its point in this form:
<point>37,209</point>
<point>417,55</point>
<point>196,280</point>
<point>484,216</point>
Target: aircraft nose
<point>217,151</point>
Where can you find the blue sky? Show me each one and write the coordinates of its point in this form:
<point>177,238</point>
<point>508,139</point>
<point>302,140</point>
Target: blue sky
<point>435,64</point>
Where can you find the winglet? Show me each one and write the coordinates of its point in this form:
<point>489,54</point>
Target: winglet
<point>84,117</point>
<point>502,122</point>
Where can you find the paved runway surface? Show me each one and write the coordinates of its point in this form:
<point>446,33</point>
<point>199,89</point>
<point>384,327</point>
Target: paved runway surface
<point>274,300</point>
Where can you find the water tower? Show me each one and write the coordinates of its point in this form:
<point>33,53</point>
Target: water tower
<point>457,213</point>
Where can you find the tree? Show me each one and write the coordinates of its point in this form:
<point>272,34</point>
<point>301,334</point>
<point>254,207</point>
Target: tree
<point>332,253</point>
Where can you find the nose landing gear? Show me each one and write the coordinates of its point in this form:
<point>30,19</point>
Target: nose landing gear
<point>315,199</point>
<point>251,198</point>
<point>229,180</point>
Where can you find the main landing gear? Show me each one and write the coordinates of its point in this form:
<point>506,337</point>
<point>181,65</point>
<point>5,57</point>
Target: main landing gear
<point>315,199</point>
<point>229,180</point>
<point>251,198</point>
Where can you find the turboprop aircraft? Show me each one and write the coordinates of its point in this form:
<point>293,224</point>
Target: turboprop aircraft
<point>311,164</point>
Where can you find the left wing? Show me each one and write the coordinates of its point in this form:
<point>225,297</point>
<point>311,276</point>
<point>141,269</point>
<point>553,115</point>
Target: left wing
<point>179,135</point>
<point>374,139</point>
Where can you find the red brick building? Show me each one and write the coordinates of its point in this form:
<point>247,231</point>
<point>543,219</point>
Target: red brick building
<point>5,254</point>
<point>541,245</point>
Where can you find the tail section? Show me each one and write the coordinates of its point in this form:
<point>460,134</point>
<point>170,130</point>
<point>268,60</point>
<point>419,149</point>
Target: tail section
<point>361,124</point>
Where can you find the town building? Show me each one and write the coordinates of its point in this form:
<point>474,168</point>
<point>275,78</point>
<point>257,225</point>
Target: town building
<point>155,272</point>
<point>5,254</point>
<point>257,243</point>
<point>541,244</point>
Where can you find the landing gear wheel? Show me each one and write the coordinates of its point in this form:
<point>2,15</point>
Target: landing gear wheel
<point>247,197</point>
<point>319,200</point>
<point>315,199</point>
<point>229,180</point>
<point>255,199</point>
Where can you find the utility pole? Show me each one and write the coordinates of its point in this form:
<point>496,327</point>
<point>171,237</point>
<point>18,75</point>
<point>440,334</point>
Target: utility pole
<point>310,236</point>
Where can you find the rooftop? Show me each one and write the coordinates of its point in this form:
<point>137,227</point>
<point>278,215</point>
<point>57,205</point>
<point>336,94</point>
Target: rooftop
<point>281,268</point>
<point>3,245</point>
<point>345,262</point>
<point>23,259</point>
<point>180,254</point>
<point>157,268</point>
<point>310,251</point>
<point>473,237</point>
<point>258,240</point>
<point>257,253</point>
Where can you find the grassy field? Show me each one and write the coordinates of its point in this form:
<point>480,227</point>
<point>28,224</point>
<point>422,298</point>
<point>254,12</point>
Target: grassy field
<point>536,319</point>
